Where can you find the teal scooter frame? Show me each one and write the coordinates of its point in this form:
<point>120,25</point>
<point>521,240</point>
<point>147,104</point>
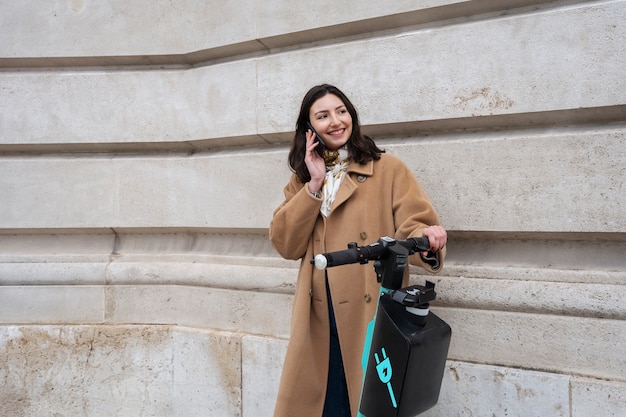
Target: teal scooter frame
<point>402,378</point>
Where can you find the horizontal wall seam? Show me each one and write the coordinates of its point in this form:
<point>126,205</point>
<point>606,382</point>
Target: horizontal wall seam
<point>604,118</point>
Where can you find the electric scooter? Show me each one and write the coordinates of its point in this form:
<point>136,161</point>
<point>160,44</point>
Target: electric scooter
<point>406,345</point>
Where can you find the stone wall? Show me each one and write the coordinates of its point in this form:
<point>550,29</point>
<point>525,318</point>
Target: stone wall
<point>143,149</point>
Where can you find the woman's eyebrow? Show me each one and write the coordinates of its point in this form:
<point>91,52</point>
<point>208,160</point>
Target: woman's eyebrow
<point>326,111</point>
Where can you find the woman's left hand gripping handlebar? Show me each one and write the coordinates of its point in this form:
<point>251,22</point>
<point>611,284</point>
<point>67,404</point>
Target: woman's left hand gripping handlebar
<point>437,237</point>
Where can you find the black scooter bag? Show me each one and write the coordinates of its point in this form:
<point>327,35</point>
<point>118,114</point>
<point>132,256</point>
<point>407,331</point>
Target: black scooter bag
<point>407,358</point>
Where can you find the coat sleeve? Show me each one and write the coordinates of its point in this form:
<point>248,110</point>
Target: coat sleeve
<point>413,211</point>
<point>293,221</point>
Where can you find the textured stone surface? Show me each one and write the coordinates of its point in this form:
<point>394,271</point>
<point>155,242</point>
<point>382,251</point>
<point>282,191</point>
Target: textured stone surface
<point>243,311</point>
<point>262,360</point>
<point>479,390</point>
<point>507,193</point>
<point>150,28</point>
<point>144,27</point>
<point>75,107</point>
<point>143,192</point>
<point>461,71</point>
<point>570,345</point>
<point>161,371</point>
<point>519,181</point>
<point>482,68</point>
<point>598,398</point>
<point>51,304</point>
<point>207,372</point>
<point>118,370</point>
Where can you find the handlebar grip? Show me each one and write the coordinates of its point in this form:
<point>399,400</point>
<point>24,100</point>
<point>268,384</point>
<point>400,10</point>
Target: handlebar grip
<point>344,257</point>
<point>420,244</point>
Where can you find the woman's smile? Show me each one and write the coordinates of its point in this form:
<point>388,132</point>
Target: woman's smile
<point>337,133</point>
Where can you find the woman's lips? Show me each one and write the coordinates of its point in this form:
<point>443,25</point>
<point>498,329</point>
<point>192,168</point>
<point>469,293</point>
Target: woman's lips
<point>337,133</point>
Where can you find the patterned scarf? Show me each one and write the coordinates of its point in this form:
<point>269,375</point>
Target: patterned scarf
<point>336,167</point>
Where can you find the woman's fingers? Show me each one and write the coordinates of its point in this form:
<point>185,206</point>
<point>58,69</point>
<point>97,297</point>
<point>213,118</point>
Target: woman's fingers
<point>437,237</point>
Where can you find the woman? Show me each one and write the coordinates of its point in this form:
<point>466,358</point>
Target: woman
<point>354,192</point>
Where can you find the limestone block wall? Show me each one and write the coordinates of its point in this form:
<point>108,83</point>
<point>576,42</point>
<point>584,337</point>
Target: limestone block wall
<point>143,149</point>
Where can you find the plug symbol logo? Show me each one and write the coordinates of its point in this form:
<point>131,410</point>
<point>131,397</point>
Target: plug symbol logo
<point>384,374</point>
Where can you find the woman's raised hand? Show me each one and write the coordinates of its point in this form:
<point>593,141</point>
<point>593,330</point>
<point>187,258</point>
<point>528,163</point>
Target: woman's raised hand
<point>314,163</point>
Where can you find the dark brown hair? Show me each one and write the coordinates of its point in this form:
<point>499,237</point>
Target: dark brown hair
<point>361,148</point>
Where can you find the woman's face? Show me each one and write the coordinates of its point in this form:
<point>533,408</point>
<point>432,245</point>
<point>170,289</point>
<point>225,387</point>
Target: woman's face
<point>330,118</point>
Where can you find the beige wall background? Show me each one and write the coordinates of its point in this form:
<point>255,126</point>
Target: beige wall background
<point>143,149</point>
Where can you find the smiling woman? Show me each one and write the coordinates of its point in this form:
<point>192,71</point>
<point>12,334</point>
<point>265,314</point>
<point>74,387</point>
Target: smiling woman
<point>352,192</point>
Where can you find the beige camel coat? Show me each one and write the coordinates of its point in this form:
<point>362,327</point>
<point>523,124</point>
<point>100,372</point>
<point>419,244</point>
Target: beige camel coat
<point>380,198</point>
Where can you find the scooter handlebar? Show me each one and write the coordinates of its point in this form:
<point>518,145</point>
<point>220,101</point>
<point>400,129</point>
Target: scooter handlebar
<point>363,254</point>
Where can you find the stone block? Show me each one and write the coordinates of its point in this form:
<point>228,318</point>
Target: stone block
<point>17,244</point>
<point>262,360</point>
<point>118,28</point>
<point>207,308</point>
<point>537,257</point>
<point>482,390</point>
<point>84,370</point>
<point>117,107</point>
<point>201,191</point>
<point>557,181</point>
<point>526,296</point>
<point>523,63</point>
<point>550,343</point>
<point>119,370</point>
<point>592,397</point>
<point>207,373</point>
<point>214,275</point>
<point>51,304</point>
<point>51,273</point>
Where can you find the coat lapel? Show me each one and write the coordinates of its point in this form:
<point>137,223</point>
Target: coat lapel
<point>348,186</point>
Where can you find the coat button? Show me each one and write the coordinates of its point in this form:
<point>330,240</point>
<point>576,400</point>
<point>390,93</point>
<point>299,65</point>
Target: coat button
<point>361,178</point>
<point>368,298</point>
<point>311,293</point>
<point>363,235</point>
